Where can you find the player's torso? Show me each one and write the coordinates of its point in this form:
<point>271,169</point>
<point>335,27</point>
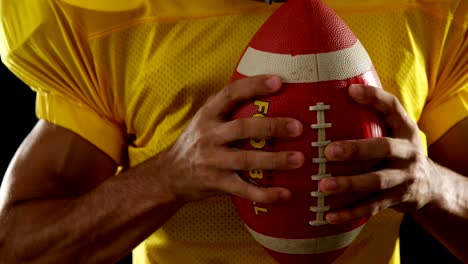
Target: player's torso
<point>162,68</point>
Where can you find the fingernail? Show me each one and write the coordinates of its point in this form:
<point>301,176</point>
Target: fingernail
<point>357,91</point>
<point>337,150</point>
<point>329,184</point>
<point>273,82</point>
<point>332,217</point>
<point>285,195</point>
<point>293,127</point>
<point>295,159</point>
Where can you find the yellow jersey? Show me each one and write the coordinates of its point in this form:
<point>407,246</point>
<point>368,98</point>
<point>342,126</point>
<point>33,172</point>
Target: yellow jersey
<point>129,75</point>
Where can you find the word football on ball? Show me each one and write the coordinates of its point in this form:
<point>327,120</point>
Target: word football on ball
<point>318,57</point>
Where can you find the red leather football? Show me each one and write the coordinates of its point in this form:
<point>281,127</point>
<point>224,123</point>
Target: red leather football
<point>318,57</point>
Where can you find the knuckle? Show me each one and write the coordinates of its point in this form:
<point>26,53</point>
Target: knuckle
<point>245,190</point>
<point>395,103</point>
<point>202,156</point>
<point>382,181</point>
<point>210,100</point>
<point>231,183</point>
<point>245,161</point>
<point>200,161</point>
<point>413,172</point>
<point>202,140</point>
<point>260,194</point>
<point>411,178</point>
<point>202,112</point>
<point>215,137</point>
<point>414,132</point>
<point>373,95</point>
<point>239,127</point>
<point>228,92</point>
<point>412,126</point>
<point>386,147</point>
<point>417,157</point>
<point>211,182</point>
<point>206,108</point>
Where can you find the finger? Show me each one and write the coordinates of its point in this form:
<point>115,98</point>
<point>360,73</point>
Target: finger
<point>262,160</point>
<point>370,148</point>
<point>258,128</point>
<point>236,186</point>
<point>368,182</point>
<point>368,208</point>
<point>386,103</point>
<point>234,93</point>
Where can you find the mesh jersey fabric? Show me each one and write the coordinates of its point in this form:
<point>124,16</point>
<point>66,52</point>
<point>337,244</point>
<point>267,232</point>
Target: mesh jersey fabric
<point>129,75</point>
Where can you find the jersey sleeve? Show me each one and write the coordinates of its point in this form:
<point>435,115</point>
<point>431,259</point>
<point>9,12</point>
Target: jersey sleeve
<point>41,45</point>
<point>447,102</point>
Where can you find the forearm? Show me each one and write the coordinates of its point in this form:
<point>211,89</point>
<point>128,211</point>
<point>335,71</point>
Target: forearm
<point>111,215</point>
<point>100,226</point>
<point>447,218</point>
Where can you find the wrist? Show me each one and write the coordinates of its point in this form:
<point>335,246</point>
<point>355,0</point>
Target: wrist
<point>447,192</point>
<point>156,174</point>
<point>440,187</point>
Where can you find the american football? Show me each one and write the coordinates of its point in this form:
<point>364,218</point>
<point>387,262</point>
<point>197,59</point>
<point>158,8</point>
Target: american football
<point>318,57</point>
